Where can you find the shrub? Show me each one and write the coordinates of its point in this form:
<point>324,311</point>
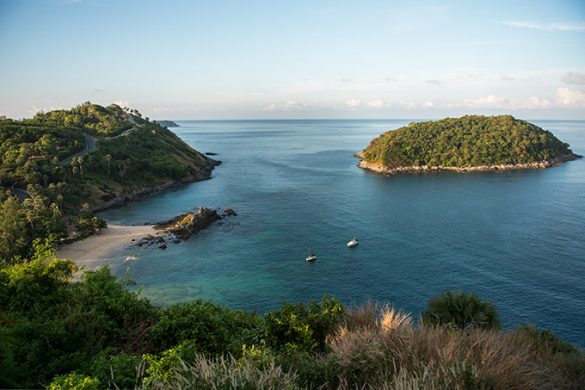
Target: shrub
<point>295,326</point>
<point>462,311</point>
<point>74,381</point>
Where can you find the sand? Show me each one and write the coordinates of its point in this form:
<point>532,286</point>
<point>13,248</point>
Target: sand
<point>97,249</point>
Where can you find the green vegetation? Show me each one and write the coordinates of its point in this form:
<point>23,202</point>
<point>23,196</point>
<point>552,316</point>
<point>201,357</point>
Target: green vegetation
<point>57,194</point>
<point>461,311</point>
<point>94,333</point>
<point>465,142</point>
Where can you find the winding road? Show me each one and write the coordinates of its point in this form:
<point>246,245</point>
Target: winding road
<point>90,146</point>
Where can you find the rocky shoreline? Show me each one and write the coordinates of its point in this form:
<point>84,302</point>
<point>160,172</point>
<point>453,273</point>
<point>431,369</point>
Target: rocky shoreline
<point>184,226</point>
<point>383,170</point>
<point>119,200</point>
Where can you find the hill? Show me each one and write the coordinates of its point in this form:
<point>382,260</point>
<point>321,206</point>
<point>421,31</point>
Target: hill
<point>469,143</point>
<point>64,165</point>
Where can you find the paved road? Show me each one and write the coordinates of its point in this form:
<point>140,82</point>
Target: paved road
<point>90,145</point>
<point>21,194</point>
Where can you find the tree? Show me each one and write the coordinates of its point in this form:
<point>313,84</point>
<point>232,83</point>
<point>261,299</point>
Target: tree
<point>462,311</point>
<point>12,229</point>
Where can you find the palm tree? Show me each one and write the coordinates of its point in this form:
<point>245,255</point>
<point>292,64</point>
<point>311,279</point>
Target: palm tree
<point>462,311</point>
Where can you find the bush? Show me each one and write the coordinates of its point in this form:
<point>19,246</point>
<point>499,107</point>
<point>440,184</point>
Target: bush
<point>461,311</point>
<point>212,328</point>
<point>295,326</point>
<point>74,381</point>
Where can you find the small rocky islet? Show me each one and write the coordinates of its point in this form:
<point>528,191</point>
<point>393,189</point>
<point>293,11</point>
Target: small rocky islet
<point>472,143</point>
<point>182,227</point>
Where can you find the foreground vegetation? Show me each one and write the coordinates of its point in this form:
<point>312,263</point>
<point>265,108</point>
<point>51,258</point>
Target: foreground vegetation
<point>94,333</point>
<point>469,141</point>
<point>44,194</point>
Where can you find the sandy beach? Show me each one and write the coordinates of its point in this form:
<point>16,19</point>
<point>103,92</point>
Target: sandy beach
<point>96,249</point>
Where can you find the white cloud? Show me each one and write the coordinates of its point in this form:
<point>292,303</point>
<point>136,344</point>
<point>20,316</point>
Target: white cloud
<point>559,26</point>
<point>531,102</point>
<point>428,104</point>
<point>574,78</point>
<point>493,101</point>
<point>377,103</point>
<point>287,106</point>
<point>408,104</point>
<point>353,103</point>
<point>122,103</point>
<point>490,101</point>
<point>569,97</point>
<point>433,82</point>
<point>505,77</point>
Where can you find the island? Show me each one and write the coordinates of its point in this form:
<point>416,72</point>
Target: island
<point>467,144</point>
<point>166,123</point>
<point>60,167</point>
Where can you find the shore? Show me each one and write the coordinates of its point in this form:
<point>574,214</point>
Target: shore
<point>383,170</point>
<point>97,249</point>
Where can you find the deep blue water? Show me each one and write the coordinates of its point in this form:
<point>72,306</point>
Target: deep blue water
<point>515,238</point>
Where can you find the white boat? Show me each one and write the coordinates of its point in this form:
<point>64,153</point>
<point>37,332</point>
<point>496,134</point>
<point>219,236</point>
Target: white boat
<point>312,257</point>
<point>354,241</point>
<point>131,258</point>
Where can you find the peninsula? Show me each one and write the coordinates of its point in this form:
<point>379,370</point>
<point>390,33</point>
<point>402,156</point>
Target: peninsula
<point>60,167</point>
<point>467,144</point>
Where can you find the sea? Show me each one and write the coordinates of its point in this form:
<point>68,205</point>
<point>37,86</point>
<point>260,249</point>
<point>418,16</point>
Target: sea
<point>516,238</point>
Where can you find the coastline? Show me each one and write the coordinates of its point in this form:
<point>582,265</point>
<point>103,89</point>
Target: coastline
<point>95,250</point>
<point>124,198</point>
<point>378,168</point>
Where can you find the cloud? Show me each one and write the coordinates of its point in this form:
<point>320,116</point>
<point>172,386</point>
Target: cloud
<point>346,80</point>
<point>532,102</point>
<point>122,103</point>
<point>428,104</point>
<point>287,106</point>
<point>353,103</point>
<point>433,82</point>
<point>98,90</point>
<point>408,104</point>
<point>559,26</point>
<point>569,97</point>
<point>574,78</point>
<point>505,77</point>
<point>377,103</point>
<point>490,101</point>
<point>494,101</point>
<point>390,79</point>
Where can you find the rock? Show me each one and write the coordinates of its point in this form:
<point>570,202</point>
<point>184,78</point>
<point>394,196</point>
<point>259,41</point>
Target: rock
<point>210,154</point>
<point>229,213</point>
<point>185,225</point>
<point>162,246</point>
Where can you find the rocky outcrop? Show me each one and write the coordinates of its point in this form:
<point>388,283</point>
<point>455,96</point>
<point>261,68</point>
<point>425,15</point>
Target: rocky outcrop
<point>184,226</point>
<point>390,171</point>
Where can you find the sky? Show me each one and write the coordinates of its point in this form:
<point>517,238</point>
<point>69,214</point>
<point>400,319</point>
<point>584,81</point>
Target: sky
<point>295,59</point>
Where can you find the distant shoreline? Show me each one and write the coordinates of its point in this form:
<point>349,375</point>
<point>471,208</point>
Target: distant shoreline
<point>378,168</point>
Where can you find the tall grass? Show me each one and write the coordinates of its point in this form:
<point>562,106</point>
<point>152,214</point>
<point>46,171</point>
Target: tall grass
<point>388,351</point>
<point>380,347</point>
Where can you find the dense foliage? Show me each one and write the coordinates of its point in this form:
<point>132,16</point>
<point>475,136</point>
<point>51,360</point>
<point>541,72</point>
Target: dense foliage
<point>44,193</point>
<point>94,333</point>
<point>468,141</point>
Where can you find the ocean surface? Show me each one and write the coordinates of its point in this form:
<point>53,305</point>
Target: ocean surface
<point>516,238</point>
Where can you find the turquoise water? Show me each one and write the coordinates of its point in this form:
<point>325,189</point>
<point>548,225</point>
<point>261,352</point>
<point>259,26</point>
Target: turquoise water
<point>516,238</point>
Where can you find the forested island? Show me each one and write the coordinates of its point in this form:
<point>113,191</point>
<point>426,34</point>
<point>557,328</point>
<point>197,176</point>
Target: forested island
<point>59,167</point>
<point>469,143</point>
